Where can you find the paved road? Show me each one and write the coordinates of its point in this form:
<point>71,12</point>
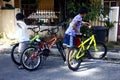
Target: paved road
<point>55,69</point>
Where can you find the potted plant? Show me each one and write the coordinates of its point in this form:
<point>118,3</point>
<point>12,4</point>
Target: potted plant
<point>109,24</point>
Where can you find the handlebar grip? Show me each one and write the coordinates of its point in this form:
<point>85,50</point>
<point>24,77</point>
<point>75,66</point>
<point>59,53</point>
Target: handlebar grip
<point>84,35</point>
<point>34,27</point>
<point>29,28</point>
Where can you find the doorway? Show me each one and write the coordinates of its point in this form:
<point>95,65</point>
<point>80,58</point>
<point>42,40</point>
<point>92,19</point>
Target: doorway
<point>113,3</point>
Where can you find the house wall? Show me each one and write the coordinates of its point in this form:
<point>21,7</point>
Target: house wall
<point>7,23</point>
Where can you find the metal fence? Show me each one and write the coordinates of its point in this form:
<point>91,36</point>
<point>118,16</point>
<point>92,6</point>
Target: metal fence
<point>47,17</point>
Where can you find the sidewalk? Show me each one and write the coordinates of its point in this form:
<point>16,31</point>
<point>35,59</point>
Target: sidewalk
<point>113,53</point>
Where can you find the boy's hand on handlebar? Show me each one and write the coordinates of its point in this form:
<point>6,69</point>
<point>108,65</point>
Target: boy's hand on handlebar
<point>89,26</point>
<point>86,24</point>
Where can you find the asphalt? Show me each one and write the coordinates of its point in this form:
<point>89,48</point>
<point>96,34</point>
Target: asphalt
<point>112,53</point>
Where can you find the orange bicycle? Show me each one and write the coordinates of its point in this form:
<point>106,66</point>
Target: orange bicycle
<point>15,55</point>
<point>31,57</point>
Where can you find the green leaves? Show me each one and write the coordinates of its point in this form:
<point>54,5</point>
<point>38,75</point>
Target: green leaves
<point>109,24</point>
<point>1,35</point>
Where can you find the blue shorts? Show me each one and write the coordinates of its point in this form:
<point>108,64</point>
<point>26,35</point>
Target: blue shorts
<point>69,41</point>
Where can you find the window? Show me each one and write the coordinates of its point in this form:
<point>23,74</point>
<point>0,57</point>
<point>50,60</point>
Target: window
<point>113,4</point>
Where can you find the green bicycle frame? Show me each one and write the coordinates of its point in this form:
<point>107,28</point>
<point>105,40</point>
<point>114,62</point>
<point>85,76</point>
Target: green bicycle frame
<point>82,46</point>
<point>36,37</point>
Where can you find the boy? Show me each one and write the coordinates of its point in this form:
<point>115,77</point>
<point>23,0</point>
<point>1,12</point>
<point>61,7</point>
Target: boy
<point>23,34</point>
<point>74,28</point>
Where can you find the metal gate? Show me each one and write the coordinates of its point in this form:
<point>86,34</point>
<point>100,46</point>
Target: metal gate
<point>40,11</point>
<point>46,17</point>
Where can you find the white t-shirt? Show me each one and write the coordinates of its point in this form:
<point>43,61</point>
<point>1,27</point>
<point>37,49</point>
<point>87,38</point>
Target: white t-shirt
<point>22,35</point>
<point>70,30</point>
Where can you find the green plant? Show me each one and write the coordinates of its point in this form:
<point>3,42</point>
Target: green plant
<point>1,35</point>
<point>109,24</point>
<point>87,31</point>
<point>94,10</point>
<point>71,8</point>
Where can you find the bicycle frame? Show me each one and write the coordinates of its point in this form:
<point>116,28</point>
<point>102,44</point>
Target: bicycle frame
<point>50,42</point>
<point>82,46</point>
<point>36,37</point>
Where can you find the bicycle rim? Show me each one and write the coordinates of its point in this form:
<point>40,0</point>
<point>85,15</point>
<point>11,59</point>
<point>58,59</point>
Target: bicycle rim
<point>73,63</point>
<point>98,53</point>
<point>31,59</point>
<point>15,55</point>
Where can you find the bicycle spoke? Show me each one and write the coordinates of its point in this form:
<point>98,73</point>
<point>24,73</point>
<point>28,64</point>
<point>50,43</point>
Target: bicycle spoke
<point>73,63</point>
<point>31,59</point>
<point>98,52</point>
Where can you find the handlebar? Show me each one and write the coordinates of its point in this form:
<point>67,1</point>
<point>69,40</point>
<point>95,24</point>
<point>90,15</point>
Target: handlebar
<point>44,30</point>
<point>34,29</point>
<point>52,30</point>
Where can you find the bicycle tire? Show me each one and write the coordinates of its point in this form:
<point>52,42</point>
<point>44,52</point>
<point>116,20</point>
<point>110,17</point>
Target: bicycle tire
<point>61,50</point>
<point>101,53</point>
<point>73,63</point>
<point>30,59</point>
<point>15,54</point>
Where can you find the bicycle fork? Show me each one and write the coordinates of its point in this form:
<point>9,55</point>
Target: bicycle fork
<point>80,53</point>
<point>77,54</point>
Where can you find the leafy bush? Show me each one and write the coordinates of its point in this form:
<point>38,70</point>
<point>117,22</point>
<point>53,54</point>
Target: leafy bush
<point>87,31</point>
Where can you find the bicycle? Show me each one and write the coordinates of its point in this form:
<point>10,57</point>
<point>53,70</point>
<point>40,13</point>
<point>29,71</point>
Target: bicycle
<point>90,48</point>
<point>15,56</point>
<point>30,57</point>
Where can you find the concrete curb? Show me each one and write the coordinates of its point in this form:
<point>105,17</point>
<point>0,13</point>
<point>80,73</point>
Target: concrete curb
<point>111,54</point>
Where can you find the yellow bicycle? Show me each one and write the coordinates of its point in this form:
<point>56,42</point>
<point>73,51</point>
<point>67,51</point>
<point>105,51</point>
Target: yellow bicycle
<point>89,47</point>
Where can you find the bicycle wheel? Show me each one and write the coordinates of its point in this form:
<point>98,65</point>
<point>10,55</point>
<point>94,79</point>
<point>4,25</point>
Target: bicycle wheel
<point>15,56</point>
<point>73,63</point>
<point>61,50</point>
<point>100,52</point>
<point>30,58</point>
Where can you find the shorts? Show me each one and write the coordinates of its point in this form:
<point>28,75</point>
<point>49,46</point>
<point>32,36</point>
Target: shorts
<point>23,46</point>
<point>70,41</point>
